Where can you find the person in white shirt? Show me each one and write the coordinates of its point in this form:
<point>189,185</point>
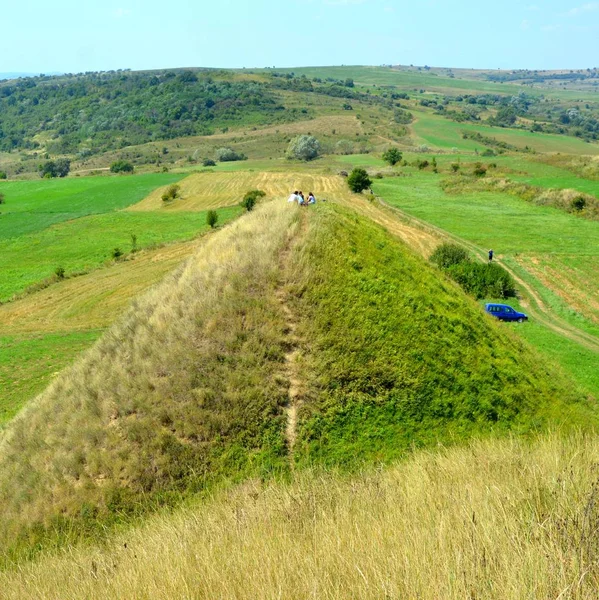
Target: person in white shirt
<point>294,197</point>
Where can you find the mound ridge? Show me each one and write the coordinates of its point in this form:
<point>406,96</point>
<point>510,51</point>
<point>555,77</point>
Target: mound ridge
<point>191,386</point>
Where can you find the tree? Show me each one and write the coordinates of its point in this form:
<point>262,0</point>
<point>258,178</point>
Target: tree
<point>55,168</point>
<point>349,83</point>
<point>208,162</point>
<point>303,147</point>
<point>229,155</point>
<point>506,116</point>
<point>392,156</point>
<point>358,180</point>
<point>211,218</point>
<point>121,166</point>
<point>2,174</point>
<point>448,254</point>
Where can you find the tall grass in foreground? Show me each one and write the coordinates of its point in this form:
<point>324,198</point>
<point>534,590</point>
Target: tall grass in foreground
<point>501,520</point>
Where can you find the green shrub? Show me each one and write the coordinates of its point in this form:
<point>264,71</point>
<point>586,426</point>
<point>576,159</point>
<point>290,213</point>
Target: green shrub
<point>250,199</point>
<point>55,168</point>
<point>483,280</point>
<point>479,170</point>
<point>212,218</point>
<point>229,155</point>
<point>577,204</point>
<point>447,255</point>
<point>358,180</point>
<point>172,192</point>
<point>117,253</point>
<point>3,175</point>
<point>2,198</point>
<point>422,164</point>
<point>303,147</point>
<point>455,167</point>
<point>59,272</point>
<point>403,116</point>
<point>208,162</point>
<point>392,156</point>
<point>121,166</point>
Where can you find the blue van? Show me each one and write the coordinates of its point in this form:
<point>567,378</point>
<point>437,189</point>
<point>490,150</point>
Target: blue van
<point>503,312</point>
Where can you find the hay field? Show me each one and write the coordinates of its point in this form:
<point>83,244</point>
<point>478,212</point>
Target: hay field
<point>203,191</point>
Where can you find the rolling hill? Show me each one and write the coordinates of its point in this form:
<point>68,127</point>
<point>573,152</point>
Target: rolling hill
<point>296,402</point>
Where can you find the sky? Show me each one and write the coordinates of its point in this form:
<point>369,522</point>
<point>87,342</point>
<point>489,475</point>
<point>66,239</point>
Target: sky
<point>72,36</point>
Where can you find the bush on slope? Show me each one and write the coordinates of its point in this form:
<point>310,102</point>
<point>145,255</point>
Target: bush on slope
<point>395,357</point>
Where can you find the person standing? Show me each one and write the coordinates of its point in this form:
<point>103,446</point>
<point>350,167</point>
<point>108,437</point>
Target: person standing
<point>491,255</point>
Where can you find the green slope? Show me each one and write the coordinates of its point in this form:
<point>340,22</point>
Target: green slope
<point>397,357</point>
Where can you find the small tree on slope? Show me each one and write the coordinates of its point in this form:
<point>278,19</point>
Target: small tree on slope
<point>358,180</point>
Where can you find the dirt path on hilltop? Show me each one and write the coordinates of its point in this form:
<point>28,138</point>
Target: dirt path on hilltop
<point>295,390</point>
<point>531,298</point>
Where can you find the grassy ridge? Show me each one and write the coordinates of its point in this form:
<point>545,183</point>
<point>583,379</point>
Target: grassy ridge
<point>190,386</point>
<point>185,389</point>
<point>500,520</point>
<point>396,357</point>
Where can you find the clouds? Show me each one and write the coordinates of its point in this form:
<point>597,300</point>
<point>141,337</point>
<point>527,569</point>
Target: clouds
<point>585,8</point>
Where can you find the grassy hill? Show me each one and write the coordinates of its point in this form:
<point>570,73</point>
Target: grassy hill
<point>259,376</point>
<point>193,385</point>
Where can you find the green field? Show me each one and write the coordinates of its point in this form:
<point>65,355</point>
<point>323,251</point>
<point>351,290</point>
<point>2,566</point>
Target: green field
<point>523,235</point>
<point>442,133</point>
<point>35,205</point>
<point>87,243</point>
<point>29,362</point>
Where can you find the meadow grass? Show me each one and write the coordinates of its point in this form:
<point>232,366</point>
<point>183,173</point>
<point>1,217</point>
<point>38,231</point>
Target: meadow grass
<point>29,362</point>
<point>512,227</point>
<point>578,362</point>
<point>32,206</point>
<point>497,519</point>
<point>443,133</point>
<point>87,243</point>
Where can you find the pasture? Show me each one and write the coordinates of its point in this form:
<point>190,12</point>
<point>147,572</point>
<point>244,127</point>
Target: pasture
<point>443,133</point>
<point>34,205</point>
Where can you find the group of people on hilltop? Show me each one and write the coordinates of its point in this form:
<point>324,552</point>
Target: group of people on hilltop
<point>299,197</point>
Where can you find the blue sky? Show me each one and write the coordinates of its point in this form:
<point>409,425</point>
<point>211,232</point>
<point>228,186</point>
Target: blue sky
<point>73,36</point>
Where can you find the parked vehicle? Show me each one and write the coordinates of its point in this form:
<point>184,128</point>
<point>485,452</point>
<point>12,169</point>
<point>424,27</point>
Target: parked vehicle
<point>503,312</point>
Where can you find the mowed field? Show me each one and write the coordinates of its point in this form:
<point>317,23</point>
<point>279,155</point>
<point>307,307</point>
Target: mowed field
<point>207,190</point>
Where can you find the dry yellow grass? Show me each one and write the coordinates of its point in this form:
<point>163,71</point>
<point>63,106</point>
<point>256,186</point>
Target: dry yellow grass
<point>502,520</point>
<point>95,300</point>
<point>202,191</point>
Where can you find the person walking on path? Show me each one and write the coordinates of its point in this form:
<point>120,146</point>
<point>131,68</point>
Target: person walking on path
<point>491,255</point>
